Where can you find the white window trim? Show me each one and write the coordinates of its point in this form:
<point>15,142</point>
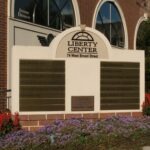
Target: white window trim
<point>77,12</point>
<point>142,19</point>
<point>99,4</point>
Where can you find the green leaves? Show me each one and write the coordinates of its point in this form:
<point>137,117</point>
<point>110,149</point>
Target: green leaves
<point>143,42</point>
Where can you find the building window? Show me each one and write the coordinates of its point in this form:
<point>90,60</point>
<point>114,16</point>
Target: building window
<point>57,14</point>
<point>109,22</point>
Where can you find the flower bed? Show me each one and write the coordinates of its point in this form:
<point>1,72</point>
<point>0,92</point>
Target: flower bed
<point>111,133</point>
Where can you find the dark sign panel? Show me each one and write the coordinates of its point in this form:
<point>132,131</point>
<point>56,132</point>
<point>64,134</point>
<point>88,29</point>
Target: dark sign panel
<point>119,86</point>
<point>42,85</point>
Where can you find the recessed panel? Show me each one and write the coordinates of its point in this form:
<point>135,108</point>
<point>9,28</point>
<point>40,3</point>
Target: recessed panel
<point>82,103</point>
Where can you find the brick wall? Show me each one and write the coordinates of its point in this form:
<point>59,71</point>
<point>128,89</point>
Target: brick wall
<point>34,122</point>
<point>87,9</point>
<point>3,51</point>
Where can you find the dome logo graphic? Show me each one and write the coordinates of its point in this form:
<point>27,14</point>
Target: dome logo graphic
<point>82,44</point>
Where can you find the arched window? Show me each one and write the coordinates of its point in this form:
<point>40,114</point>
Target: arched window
<point>109,22</point>
<point>57,14</point>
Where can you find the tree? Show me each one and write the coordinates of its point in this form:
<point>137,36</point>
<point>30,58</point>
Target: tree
<point>143,42</point>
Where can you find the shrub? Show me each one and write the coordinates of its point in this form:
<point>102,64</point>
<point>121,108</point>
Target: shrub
<point>8,122</point>
<point>146,105</point>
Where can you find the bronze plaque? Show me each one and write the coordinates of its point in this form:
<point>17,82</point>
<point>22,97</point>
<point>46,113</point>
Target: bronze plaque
<point>82,103</point>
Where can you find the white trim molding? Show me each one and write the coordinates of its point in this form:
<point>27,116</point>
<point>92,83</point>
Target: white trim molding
<point>99,4</point>
<point>76,11</point>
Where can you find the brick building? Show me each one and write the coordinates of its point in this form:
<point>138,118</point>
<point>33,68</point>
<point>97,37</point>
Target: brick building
<point>3,52</point>
<point>31,23</point>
